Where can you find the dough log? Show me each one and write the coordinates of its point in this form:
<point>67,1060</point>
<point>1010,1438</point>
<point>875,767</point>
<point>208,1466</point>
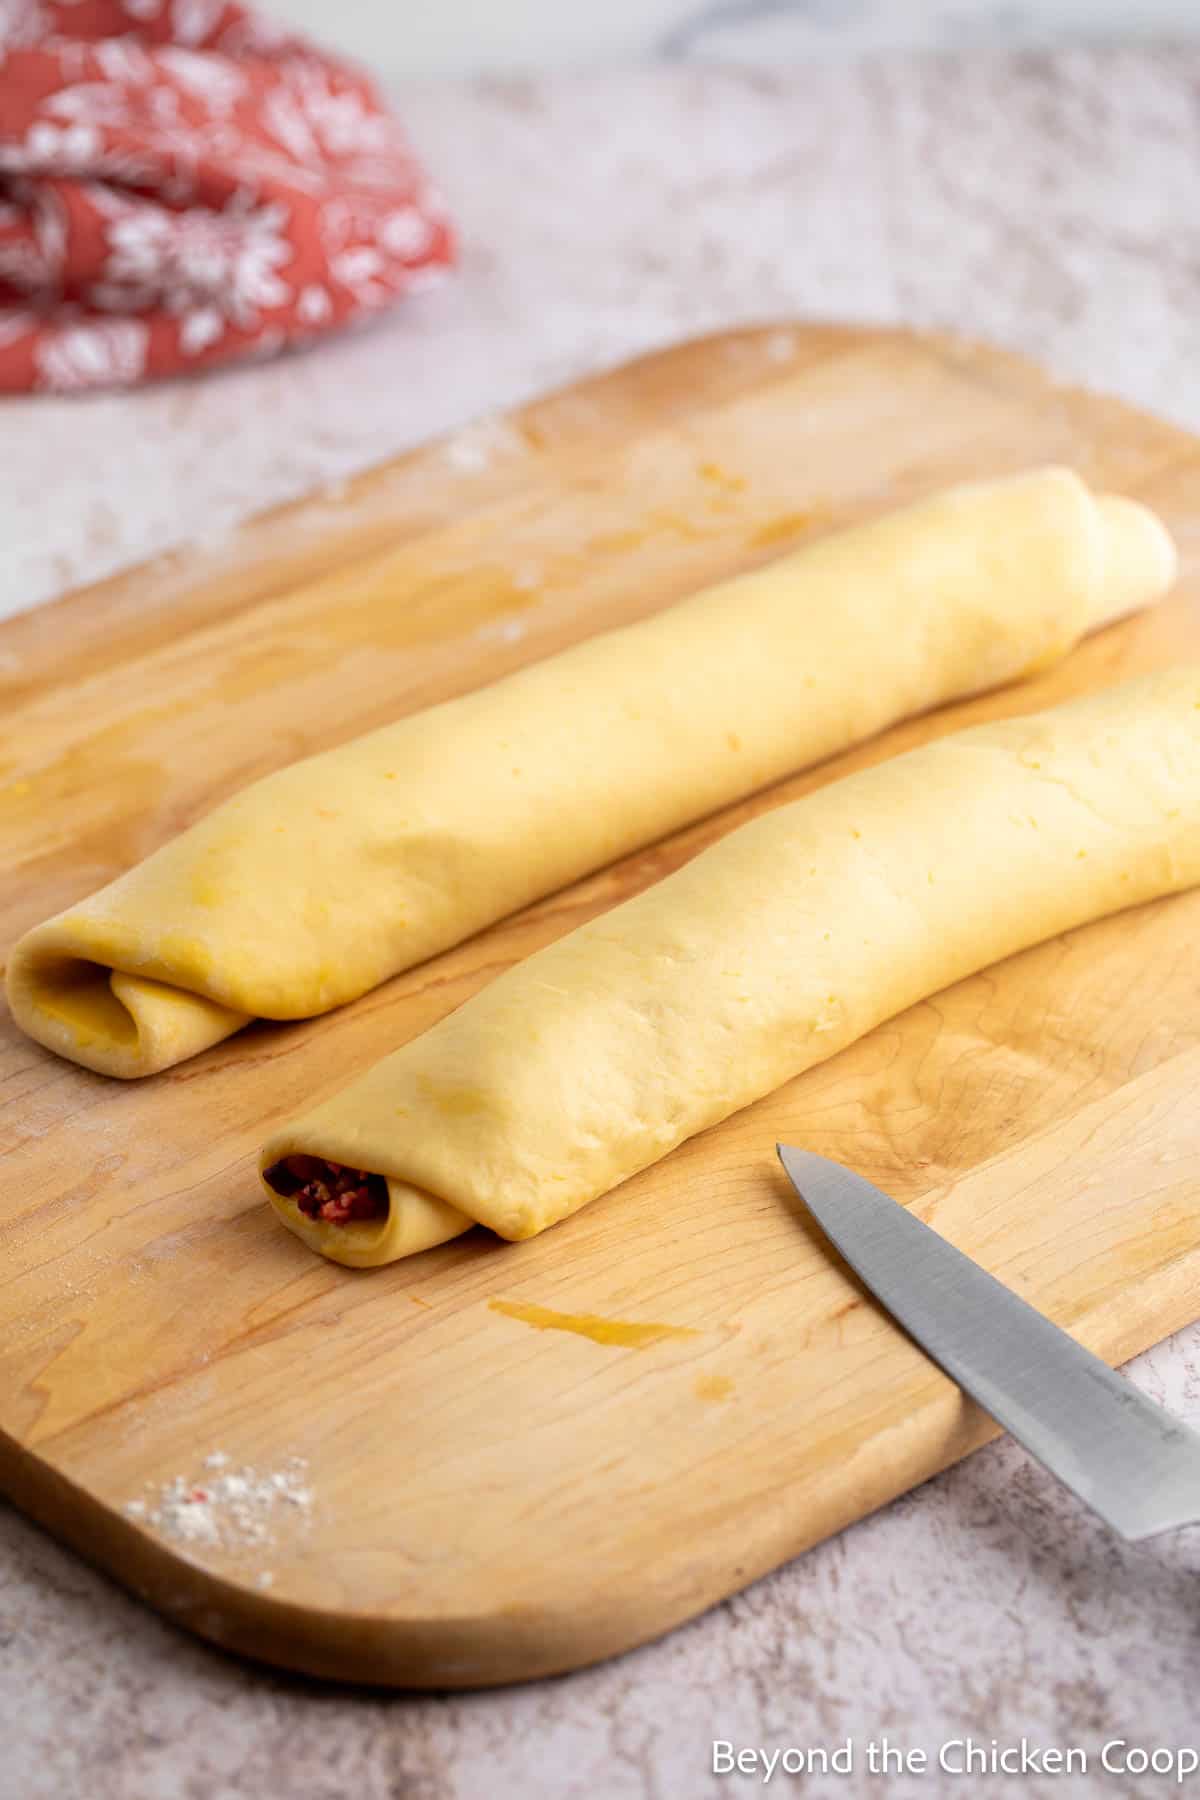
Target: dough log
<point>329,876</point>
<point>771,951</point>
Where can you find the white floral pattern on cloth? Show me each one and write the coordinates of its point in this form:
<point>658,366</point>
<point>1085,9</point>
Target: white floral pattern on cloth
<point>211,270</point>
<point>21,22</point>
<point>182,183</point>
<point>107,353</point>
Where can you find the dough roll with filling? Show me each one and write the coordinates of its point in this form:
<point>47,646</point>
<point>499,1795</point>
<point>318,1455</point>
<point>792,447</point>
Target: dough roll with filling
<point>327,877</point>
<point>771,951</point>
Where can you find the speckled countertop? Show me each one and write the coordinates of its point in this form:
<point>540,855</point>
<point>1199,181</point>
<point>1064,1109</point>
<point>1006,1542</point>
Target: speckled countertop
<point>1048,201</point>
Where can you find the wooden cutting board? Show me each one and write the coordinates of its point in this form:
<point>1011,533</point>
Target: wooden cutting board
<point>495,1461</point>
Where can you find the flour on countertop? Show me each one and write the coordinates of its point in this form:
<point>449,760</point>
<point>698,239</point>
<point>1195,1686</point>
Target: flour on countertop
<point>230,1509</point>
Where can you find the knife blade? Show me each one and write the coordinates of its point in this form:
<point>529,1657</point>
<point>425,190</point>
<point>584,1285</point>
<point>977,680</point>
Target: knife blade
<point>1124,1456</point>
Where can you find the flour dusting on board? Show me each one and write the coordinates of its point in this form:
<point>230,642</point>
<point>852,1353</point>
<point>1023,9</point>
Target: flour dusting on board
<point>230,1509</point>
<point>505,631</point>
<point>478,445</point>
<point>527,577</point>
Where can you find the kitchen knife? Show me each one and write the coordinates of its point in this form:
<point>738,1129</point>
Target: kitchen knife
<point>1130,1461</point>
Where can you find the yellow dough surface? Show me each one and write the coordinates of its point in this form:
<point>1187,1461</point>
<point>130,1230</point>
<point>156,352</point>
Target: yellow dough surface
<point>320,881</point>
<point>771,951</point>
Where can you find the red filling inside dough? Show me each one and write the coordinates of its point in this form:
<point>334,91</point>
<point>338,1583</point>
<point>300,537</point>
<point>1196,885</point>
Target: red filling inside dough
<point>328,1190</point>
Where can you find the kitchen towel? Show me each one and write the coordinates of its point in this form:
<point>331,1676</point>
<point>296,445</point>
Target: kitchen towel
<point>182,183</point>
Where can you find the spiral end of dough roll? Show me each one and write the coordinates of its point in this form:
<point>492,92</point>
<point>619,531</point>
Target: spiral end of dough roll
<point>415,1219</point>
<point>107,1021</point>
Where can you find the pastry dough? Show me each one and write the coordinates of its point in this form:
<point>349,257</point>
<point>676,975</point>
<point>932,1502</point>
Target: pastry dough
<point>769,952</point>
<point>322,880</point>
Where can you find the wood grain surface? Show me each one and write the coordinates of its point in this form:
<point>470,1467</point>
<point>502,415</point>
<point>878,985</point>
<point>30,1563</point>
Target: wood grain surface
<point>510,1473</point>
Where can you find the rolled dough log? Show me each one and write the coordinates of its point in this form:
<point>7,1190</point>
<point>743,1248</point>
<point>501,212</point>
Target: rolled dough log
<point>323,879</point>
<point>771,951</point>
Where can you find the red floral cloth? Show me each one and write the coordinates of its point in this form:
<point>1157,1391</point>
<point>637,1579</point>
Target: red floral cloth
<point>181,184</point>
